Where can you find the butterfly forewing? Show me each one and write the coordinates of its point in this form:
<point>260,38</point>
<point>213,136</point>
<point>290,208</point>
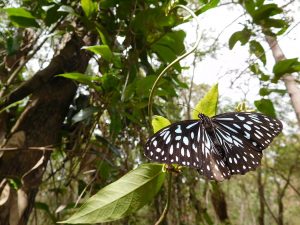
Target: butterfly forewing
<point>256,129</point>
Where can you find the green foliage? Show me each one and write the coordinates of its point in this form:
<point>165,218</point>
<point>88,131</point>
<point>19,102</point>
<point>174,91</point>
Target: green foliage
<point>254,68</point>
<point>102,50</point>
<point>242,36</point>
<point>89,7</point>
<point>265,11</point>
<point>285,66</point>
<point>159,122</point>
<point>43,206</point>
<point>258,51</point>
<point>121,198</point>
<point>20,17</point>
<point>82,78</point>
<point>266,107</point>
<point>266,91</point>
<point>169,46</point>
<point>208,5</point>
<point>208,104</point>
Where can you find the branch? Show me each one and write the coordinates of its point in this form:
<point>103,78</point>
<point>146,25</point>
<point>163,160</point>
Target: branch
<point>270,211</point>
<point>19,68</point>
<point>166,209</point>
<point>150,102</point>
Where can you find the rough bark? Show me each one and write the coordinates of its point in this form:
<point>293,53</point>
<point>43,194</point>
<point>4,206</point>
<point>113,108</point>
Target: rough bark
<point>219,203</point>
<point>288,79</point>
<point>38,125</point>
<point>261,195</point>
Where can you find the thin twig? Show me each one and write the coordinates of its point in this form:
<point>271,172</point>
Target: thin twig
<point>269,209</point>
<point>19,68</point>
<point>150,102</point>
<point>166,209</point>
<point>28,149</point>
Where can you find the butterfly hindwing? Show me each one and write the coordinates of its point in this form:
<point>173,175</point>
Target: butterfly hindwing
<point>240,156</point>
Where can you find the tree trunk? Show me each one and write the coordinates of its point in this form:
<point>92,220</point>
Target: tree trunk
<point>219,203</point>
<point>288,79</point>
<point>261,195</point>
<point>280,211</point>
<point>39,125</point>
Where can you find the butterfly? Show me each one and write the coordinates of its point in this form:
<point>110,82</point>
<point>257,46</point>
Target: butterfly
<point>218,147</point>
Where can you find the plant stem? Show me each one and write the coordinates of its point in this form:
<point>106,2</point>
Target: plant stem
<point>150,101</point>
<point>166,209</point>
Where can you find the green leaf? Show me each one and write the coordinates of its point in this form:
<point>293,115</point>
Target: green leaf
<point>255,68</point>
<point>121,198</point>
<point>258,51</point>
<point>208,104</point>
<point>52,14</point>
<point>144,85</point>
<point>286,66</point>
<point>266,107</point>
<point>12,45</point>
<point>20,12</point>
<point>265,11</point>
<point>82,78</point>
<point>242,36</point>
<point>148,20</point>
<point>264,91</point>
<point>45,208</point>
<point>277,23</point>
<point>20,17</point>
<point>211,4</point>
<point>67,9</point>
<point>115,125</point>
<point>250,6</point>
<point>83,114</point>
<point>170,46</point>
<point>102,50</point>
<point>88,7</point>
<point>159,122</point>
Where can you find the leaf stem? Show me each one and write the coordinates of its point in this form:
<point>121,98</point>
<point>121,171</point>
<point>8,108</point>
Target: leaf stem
<point>167,206</point>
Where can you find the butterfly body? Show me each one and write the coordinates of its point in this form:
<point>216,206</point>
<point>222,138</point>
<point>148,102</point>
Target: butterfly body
<point>226,144</point>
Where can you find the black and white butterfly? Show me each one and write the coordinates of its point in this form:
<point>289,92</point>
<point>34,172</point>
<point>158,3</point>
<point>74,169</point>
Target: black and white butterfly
<point>226,144</point>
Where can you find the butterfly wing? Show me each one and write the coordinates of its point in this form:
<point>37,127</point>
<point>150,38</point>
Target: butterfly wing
<point>187,143</point>
<point>243,136</point>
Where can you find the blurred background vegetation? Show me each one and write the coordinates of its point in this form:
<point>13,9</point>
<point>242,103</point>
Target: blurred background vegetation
<point>65,137</point>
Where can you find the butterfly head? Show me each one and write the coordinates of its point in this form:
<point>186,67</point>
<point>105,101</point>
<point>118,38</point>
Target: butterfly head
<point>206,121</point>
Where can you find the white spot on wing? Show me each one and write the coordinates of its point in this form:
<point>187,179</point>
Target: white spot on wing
<point>171,150</point>
<point>191,125</point>
<point>178,130</point>
<point>240,117</point>
<point>185,140</point>
<point>182,151</point>
<point>247,126</point>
